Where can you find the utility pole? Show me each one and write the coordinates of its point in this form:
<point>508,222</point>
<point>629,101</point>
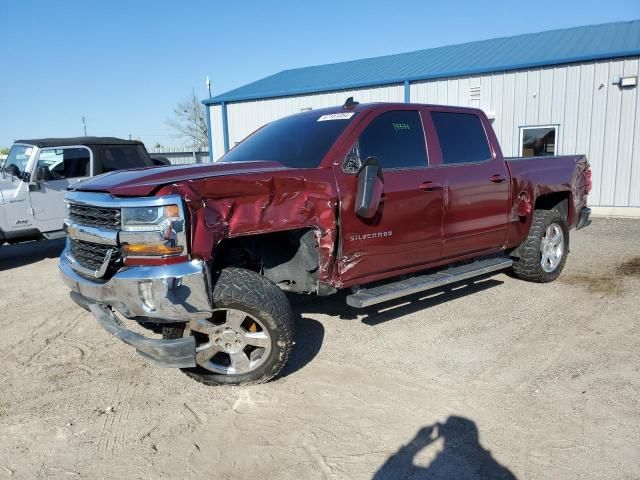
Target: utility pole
<point>84,125</point>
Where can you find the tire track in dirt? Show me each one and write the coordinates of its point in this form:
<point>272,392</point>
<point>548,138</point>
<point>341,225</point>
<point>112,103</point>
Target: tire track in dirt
<point>113,430</point>
<point>49,341</point>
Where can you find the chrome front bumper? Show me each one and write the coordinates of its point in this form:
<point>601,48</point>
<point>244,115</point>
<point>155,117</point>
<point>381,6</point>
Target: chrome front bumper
<point>177,292</point>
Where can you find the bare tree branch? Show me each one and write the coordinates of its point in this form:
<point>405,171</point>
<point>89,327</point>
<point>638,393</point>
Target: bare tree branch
<point>189,122</point>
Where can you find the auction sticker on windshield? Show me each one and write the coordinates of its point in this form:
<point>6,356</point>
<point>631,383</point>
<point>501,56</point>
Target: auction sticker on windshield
<point>336,116</point>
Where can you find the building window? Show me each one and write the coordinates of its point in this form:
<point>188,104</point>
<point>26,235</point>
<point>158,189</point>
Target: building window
<point>539,141</point>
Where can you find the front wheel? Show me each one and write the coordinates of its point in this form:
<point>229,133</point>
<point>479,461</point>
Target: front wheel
<point>544,252</point>
<point>248,337</point>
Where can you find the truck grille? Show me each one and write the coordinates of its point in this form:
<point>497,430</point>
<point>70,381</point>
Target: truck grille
<point>92,255</point>
<point>95,216</point>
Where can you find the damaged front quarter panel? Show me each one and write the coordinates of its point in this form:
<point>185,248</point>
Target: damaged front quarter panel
<point>262,202</point>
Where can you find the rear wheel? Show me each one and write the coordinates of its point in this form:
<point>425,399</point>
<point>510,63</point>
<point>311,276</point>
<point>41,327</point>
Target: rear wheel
<point>248,337</point>
<point>544,252</point>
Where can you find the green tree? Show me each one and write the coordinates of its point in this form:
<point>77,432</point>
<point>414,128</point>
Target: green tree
<point>4,151</point>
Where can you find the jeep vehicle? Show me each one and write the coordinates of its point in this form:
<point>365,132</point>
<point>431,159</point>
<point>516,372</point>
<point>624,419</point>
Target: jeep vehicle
<point>383,199</point>
<point>36,174</point>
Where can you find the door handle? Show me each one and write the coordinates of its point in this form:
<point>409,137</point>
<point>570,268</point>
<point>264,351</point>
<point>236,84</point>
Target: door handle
<point>429,186</point>
<point>497,178</point>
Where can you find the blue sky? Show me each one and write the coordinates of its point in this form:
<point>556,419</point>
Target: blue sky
<point>125,64</point>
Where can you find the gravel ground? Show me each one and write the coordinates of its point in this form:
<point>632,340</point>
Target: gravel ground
<point>497,379</point>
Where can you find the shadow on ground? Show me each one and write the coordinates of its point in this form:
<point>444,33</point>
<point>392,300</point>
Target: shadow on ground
<point>308,336</point>
<point>336,305</point>
<point>461,457</point>
<point>15,256</point>
<point>309,333</point>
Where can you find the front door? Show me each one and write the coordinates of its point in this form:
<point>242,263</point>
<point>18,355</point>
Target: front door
<point>477,198</point>
<point>56,170</point>
<point>407,230</point>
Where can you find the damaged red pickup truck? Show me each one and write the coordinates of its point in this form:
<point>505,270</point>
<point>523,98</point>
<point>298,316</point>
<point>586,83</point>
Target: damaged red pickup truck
<point>384,199</point>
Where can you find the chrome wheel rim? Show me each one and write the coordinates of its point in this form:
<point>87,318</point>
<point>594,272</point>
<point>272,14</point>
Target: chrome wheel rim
<point>230,342</point>
<point>551,248</point>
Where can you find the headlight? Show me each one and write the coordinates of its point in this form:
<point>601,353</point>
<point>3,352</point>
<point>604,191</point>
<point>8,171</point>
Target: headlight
<point>148,218</point>
<point>157,231</point>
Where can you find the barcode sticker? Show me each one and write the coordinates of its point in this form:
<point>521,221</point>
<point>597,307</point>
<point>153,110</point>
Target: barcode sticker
<point>336,116</point>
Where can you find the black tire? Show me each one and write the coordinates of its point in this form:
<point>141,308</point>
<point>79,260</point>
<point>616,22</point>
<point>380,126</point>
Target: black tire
<point>244,290</point>
<point>528,265</point>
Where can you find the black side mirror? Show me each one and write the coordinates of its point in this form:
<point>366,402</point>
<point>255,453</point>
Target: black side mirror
<point>44,173</point>
<point>161,161</point>
<point>370,185</point>
<point>13,170</point>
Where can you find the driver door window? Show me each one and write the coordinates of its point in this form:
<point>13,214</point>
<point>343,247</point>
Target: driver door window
<point>395,138</point>
<point>64,163</point>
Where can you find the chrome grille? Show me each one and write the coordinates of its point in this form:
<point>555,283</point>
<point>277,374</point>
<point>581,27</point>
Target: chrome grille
<point>92,255</point>
<point>95,216</point>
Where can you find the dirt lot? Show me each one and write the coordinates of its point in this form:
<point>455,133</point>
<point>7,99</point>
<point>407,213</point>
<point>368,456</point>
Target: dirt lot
<point>497,379</point>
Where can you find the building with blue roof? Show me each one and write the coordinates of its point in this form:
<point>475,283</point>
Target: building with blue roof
<point>575,87</point>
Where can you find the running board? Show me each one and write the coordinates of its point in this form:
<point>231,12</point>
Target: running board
<point>54,235</point>
<point>390,291</point>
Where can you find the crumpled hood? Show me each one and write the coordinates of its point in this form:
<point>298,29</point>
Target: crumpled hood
<point>144,181</point>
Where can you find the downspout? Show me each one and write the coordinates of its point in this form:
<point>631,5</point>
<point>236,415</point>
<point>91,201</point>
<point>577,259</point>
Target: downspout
<point>225,127</point>
<point>407,92</point>
<point>209,133</point>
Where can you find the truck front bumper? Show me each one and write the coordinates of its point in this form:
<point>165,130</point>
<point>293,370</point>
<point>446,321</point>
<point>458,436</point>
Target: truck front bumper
<point>176,353</point>
<point>177,292</point>
<point>161,294</point>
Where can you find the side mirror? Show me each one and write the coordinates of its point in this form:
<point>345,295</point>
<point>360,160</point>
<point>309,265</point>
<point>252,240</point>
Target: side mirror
<point>370,184</point>
<point>161,161</point>
<point>44,173</point>
<point>13,170</point>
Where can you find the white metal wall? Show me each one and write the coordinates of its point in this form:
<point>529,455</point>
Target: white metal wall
<point>216,131</point>
<point>594,116</point>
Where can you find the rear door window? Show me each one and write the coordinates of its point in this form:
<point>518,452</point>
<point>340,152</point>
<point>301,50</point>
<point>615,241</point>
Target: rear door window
<point>122,157</point>
<point>462,137</point>
<point>395,138</point>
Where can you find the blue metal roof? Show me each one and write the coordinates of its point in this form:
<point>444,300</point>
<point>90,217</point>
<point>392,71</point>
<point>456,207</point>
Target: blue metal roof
<point>553,47</point>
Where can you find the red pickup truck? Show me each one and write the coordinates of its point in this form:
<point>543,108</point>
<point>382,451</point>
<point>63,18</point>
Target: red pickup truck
<point>384,199</point>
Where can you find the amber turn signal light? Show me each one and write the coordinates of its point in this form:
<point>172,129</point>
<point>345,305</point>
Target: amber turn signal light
<point>172,211</point>
<point>152,250</point>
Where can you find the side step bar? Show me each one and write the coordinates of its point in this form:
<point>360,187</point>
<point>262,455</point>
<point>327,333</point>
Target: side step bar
<point>390,291</point>
<point>54,235</point>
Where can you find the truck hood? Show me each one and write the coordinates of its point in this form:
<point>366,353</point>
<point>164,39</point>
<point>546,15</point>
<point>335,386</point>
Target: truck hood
<point>144,181</point>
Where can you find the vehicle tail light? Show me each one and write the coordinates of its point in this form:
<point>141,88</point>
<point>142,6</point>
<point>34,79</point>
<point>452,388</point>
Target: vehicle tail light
<point>588,175</point>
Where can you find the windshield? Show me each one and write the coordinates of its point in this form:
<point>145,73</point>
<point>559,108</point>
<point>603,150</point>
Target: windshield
<point>16,161</point>
<point>299,141</point>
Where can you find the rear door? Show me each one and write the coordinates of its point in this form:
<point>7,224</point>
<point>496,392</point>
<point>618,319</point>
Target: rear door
<point>56,170</point>
<point>477,181</point>
<point>406,231</point>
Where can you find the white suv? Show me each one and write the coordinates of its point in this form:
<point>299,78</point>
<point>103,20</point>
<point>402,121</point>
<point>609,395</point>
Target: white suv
<point>36,174</point>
